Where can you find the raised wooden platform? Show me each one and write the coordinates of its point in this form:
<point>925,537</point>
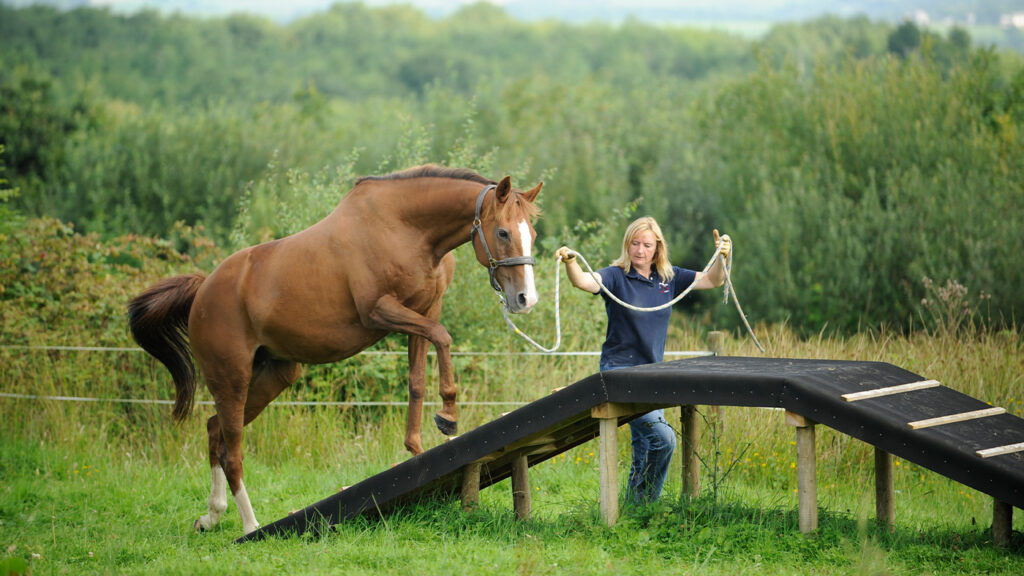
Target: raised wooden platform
<point>962,438</point>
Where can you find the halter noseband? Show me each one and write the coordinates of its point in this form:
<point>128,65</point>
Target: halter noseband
<point>492,264</point>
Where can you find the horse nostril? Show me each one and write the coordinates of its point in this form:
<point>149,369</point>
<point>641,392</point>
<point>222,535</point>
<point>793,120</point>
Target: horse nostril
<point>521,299</point>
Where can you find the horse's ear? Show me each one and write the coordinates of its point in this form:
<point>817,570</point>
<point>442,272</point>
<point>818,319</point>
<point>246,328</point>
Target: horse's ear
<point>531,195</point>
<point>504,187</point>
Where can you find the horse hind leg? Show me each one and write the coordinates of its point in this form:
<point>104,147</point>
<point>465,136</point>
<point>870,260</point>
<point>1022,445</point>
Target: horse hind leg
<point>390,314</point>
<point>225,453</point>
<point>269,377</point>
<point>446,419</point>
<point>218,501</point>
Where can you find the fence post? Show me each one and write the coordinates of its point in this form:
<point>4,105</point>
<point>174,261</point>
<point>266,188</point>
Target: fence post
<point>716,339</point>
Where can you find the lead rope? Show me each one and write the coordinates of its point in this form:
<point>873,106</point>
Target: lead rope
<point>728,289</point>
<point>558,318</point>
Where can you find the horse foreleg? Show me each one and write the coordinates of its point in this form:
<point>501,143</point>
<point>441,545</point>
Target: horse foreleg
<point>417,386</point>
<point>390,314</point>
<point>447,418</point>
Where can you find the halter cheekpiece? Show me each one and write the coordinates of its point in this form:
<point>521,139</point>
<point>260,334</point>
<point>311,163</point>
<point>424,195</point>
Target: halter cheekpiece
<point>492,264</point>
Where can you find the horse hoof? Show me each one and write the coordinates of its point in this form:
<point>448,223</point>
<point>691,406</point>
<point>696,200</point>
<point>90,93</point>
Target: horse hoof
<point>198,527</point>
<point>446,426</point>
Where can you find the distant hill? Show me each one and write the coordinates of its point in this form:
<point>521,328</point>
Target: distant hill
<point>963,12</point>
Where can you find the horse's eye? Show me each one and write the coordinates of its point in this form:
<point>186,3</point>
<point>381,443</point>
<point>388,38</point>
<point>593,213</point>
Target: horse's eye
<point>503,234</point>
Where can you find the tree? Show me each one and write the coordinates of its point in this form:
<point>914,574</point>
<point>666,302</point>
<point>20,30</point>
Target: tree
<point>9,217</point>
<point>32,126</point>
<point>905,40</point>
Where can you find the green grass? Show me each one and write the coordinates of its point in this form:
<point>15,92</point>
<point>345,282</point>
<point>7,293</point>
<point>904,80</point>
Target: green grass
<point>90,511</point>
<point>84,508</point>
<point>114,488</point>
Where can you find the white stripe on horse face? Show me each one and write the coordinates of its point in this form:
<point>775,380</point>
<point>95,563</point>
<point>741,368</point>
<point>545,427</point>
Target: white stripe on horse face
<point>527,243</point>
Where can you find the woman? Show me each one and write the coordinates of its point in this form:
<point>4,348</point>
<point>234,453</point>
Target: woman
<point>644,277</point>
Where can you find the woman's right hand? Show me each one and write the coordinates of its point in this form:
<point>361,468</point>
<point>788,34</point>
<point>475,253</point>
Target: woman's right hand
<point>589,281</point>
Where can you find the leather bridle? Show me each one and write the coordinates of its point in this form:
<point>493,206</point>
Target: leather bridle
<point>492,264</point>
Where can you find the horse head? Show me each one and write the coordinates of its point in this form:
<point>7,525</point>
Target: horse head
<point>503,239</point>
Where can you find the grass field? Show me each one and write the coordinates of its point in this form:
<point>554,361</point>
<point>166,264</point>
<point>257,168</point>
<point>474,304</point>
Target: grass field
<point>114,488</point>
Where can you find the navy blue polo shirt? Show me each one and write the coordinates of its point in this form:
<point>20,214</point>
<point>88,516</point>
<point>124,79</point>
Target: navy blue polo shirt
<point>635,338</point>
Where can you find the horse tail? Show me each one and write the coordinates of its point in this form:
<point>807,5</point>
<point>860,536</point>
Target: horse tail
<point>158,319</point>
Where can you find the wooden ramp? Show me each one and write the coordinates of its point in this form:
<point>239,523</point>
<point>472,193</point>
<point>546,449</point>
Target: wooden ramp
<point>899,412</point>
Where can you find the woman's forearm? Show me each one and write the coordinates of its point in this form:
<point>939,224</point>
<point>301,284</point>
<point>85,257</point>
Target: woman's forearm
<point>582,280</point>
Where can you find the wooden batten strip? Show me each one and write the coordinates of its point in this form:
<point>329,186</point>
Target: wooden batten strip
<point>953,418</point>
<point>1000,450</point>
<point>902,388</point>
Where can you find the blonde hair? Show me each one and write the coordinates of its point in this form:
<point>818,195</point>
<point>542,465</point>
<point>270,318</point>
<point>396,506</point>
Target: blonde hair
<point>660,261</point>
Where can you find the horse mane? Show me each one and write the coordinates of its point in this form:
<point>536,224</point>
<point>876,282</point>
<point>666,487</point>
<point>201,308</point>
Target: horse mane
<point>524,210</point>
<point>431,171</point>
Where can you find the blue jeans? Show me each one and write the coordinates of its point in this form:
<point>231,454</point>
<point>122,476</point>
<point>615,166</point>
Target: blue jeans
<point>653,442</point>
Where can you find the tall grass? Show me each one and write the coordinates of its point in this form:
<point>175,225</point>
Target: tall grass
<point>986,366</point>
<point>111,488</point>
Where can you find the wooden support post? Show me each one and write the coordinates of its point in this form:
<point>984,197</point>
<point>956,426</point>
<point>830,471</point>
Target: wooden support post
<point>521,487</point>
<point>471,486</point>
<point>1002,523</point>
<point>688,451</point>
<point>807,478</point>
<point>885,493</point>
<point>806,471</point>
<point>609,464</point>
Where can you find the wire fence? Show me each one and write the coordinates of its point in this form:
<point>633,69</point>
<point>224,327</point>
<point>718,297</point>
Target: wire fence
<point>363,353</point>
<point>283,403</point>
<point>210,402</point>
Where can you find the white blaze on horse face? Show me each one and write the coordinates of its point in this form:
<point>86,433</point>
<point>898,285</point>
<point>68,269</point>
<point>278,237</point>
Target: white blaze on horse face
<point>531,287</point>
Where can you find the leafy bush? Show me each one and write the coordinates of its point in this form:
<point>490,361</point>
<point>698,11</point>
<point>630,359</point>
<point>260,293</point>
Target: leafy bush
<point>845,186</point>
<point>59,287</point>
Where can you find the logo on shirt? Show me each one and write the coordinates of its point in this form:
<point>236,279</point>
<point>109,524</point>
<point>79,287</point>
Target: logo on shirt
<point>663,287</point>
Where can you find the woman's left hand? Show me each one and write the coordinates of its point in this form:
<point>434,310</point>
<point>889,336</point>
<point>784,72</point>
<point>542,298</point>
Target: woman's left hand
<point>725,242</point>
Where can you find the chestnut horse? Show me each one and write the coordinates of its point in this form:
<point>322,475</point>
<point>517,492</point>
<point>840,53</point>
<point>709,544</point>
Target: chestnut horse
<point>379,263</point>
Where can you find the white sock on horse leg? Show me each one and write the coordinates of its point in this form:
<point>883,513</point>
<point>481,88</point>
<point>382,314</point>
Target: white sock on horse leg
<point>218,502</point>
<point>249,522</point>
